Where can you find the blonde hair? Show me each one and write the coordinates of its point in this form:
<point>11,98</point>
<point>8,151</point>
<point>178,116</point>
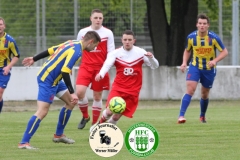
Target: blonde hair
<point>2,20</point>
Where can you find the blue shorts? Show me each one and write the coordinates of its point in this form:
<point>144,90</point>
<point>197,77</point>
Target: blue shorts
<point>206,77</point>
<point>46,91</point>
<point>4,79</point>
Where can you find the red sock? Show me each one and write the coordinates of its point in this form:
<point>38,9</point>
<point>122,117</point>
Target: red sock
<point>95,114</point>
<point>84,109</point>
<point>103,119</point>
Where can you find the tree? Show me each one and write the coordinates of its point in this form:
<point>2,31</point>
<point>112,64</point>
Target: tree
<point>116,14</point>
<point>168,38</point>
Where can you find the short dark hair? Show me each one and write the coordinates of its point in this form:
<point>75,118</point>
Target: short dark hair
<point>203,16</point>
<point>96,11</point>
<point>129,32</point>
<point>92,35</point>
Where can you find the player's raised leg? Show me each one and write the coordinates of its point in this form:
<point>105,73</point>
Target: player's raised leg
<point>106,114</point>
<point>114,118</point>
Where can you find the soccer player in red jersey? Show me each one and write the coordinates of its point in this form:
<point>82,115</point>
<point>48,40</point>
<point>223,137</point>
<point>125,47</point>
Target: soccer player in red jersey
<point>90,66</point>
<point>128,61</point>
<point>202,68</point>
<point>9,55</point>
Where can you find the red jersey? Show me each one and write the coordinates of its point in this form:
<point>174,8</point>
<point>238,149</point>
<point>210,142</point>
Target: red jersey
<point>128,68</point>
<point>97,57</point>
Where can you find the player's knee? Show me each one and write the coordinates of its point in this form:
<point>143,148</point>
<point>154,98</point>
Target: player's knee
<point>204,95</point>
<point>41,113</point>
<point>80,92</point>
<point>97,99</point>
<point>80,95</point>
<point>70,106</point>
<point>97,96</point>
<point>191,91</point>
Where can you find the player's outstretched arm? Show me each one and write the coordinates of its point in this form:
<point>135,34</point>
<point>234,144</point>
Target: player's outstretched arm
<point>28,61</point>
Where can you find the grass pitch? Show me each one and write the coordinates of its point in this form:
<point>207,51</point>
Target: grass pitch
<point>218,139</point>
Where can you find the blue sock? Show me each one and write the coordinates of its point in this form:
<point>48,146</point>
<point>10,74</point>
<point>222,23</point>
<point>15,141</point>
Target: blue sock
<point>62,120</point>
<point>184,104</point>
<point>203,106</point>
<point>1,105</point>
<point>32,126</point>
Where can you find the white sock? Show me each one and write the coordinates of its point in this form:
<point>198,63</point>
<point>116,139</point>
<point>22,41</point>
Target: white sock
<point>83,101</point>
<point>112,121</point>
<point>104,114</point>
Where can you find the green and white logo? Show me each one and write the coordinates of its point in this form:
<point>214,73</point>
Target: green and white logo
<point>141,139</point>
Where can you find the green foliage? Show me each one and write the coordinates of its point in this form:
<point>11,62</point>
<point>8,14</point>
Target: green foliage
<point>117,14</point>
<point>59,18</point>
<point>211,8</point>
<point>19,20</point>
<point>20,15</point>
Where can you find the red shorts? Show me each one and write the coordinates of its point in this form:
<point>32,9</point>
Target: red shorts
<point>131,102</point>
<point>86,75</point>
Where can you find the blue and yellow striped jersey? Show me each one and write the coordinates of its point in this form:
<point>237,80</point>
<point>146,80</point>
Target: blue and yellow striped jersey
<point>62,59</point>
<point>8,49</point>
<point>203,48</point>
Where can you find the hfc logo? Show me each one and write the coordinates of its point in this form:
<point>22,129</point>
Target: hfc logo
<point>142,139</point>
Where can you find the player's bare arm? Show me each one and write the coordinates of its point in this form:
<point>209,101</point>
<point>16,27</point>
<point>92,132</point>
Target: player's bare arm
<point>67,80</point>
<point>186,56</point>
<point>7,69</point>
<point>28,61</point>
<point>222,55</point>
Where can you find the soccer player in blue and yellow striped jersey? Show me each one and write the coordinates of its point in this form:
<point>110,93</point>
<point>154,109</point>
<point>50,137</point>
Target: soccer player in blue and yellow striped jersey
<point>202,68</point>
<point>9,55</point>
<point>57,67</point>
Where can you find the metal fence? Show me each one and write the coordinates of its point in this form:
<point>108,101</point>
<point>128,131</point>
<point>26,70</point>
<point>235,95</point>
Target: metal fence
<point>37,25</point>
